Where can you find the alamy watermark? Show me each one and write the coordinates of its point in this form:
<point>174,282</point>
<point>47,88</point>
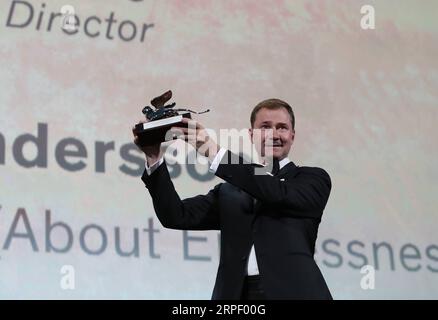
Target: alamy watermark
<point>68,281</point>
<point>260,150</point>
<point>368,281</point>
<point>368,20</point>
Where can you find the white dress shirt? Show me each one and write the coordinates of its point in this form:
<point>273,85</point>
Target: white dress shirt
<point>252,268</point>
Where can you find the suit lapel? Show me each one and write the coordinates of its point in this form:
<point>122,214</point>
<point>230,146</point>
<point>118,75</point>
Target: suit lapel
<point>290,168</point>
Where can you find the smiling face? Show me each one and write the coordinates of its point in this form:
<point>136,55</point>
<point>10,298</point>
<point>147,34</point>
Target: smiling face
<point>272,133</point>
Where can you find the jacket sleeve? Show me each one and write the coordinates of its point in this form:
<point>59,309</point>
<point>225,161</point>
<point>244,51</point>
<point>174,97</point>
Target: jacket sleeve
<point>195,213</point>
<point>304,195</point>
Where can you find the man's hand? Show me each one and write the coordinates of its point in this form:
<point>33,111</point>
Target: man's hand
<point>198,137</point>
<point>153,153</point>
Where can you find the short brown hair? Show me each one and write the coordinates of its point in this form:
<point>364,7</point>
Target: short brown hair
<point>273,104</point>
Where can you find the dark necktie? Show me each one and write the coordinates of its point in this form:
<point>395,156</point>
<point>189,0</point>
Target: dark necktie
<point>275,167</point>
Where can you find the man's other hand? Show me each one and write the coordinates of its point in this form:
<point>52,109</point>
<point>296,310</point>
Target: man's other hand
<point>196,135</point>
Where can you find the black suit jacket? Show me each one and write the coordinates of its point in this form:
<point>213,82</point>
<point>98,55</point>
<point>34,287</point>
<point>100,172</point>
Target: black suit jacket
<point>282,224</point>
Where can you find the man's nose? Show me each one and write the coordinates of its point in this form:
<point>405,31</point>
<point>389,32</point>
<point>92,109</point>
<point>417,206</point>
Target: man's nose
<point>275,134</point>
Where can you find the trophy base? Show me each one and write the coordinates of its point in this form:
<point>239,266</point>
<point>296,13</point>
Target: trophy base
<point>154,132</point>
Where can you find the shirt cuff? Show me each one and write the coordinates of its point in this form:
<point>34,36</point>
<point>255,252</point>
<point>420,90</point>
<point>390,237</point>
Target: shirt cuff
<point>217,160</point>
<point>153,167</point>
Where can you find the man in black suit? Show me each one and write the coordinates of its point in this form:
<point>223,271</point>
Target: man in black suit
<point>268,222</point>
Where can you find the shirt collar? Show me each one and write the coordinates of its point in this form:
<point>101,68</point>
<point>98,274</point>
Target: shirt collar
<point>283,162</point>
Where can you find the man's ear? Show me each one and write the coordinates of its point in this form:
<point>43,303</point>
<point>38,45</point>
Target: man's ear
<point>250,133</point>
